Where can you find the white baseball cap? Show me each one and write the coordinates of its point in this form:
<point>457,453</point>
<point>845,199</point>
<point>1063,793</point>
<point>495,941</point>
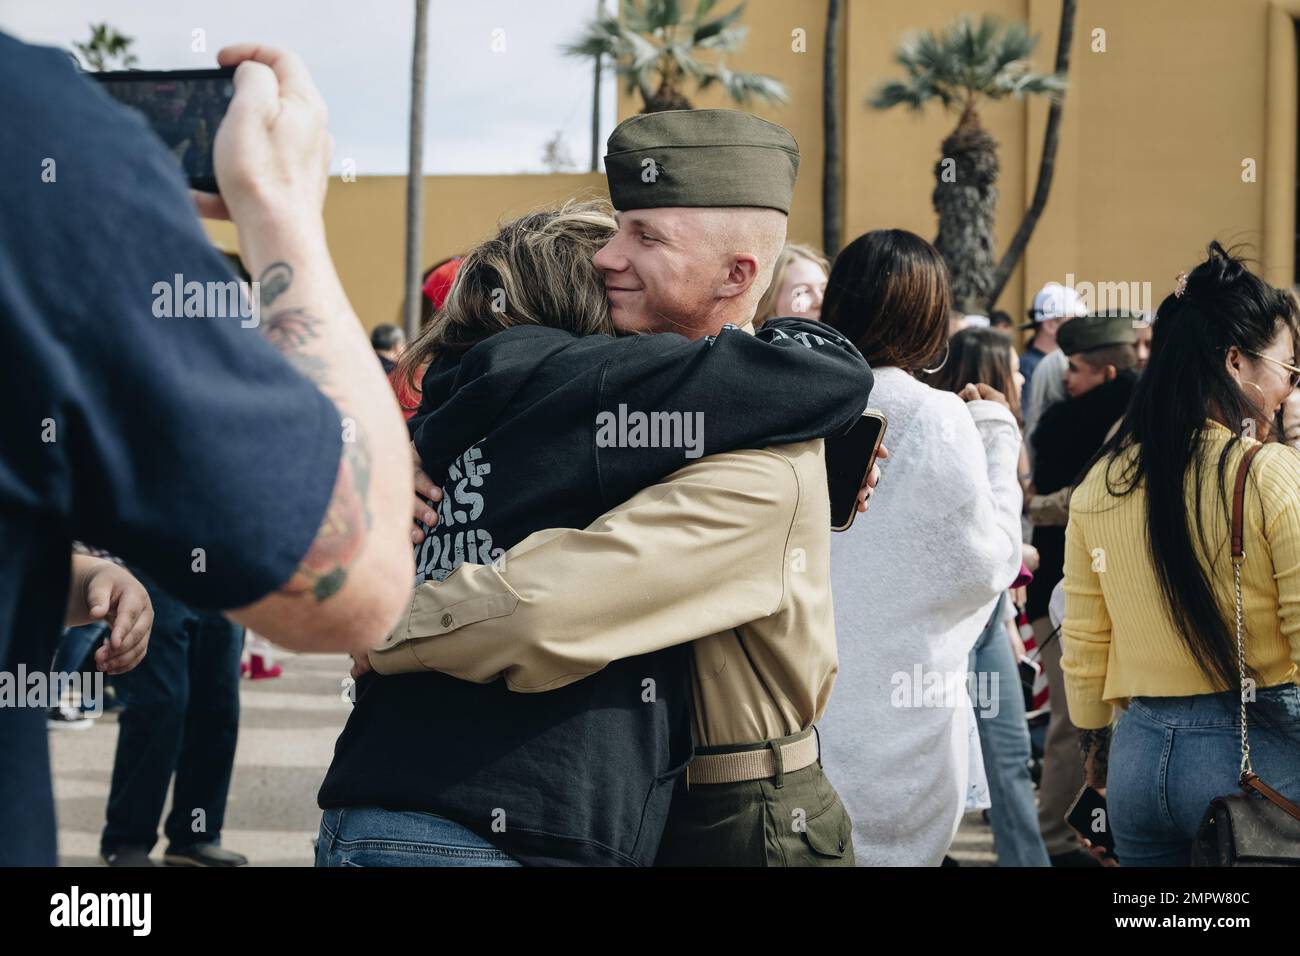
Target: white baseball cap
<point>1055,301</point>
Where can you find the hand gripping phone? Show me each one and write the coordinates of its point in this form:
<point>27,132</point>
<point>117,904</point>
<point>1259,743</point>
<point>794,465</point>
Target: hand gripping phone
<point>849,458</point>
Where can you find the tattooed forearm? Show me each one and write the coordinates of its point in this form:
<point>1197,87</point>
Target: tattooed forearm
<point>297,334</point>
<point>342,534</point>
<point>275,280</point>
<point>292,331</point>
<point>357,454</point>
<point>1095,745</point>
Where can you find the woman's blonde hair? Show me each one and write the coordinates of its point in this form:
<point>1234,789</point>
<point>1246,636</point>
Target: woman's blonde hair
<point>768,306</point>
<point>535,271</point>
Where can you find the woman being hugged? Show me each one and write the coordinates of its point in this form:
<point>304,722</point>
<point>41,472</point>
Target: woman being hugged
<point>1150,619</point>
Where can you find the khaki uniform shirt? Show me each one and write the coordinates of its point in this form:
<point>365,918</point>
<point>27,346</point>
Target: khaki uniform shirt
<point>731,552</point>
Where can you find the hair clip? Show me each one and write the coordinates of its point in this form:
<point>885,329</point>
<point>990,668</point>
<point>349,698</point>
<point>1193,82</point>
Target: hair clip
<point>1180,285</point>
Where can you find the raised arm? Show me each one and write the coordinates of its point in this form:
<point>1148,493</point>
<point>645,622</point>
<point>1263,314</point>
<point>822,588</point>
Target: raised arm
<point>982,523</point>
<point>272,154</point>
<point>699,553</point>
<point>791,381</point>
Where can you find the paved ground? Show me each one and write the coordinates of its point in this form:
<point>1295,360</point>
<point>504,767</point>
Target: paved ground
<point>287,729</point>
<point>286,738</point>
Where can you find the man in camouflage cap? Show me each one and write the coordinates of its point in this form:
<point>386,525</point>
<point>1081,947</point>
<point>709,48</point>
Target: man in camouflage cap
<point>703,198</point>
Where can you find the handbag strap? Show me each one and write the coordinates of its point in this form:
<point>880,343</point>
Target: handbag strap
<point>1249,779</point>
<point>1239,558</point>
<point>1238,501</point>
<point>1252,782</point>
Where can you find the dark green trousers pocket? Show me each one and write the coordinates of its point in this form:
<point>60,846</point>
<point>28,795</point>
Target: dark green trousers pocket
<point>802,823</point>
<point>809,823</point>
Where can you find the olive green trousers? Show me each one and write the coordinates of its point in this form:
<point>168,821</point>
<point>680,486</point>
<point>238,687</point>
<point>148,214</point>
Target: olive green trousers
<point>795,819</point>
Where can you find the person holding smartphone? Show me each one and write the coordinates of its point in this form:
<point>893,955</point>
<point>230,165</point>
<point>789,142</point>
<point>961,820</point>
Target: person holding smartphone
<point>916,580</point>
<point>206,458</point>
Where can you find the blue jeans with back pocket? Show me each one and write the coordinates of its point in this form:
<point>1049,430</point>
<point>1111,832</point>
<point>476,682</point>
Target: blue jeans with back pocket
<point>370,836</point>
<point>1171,756</point>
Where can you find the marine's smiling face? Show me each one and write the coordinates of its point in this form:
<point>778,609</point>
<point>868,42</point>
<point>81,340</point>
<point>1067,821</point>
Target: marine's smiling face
<point>660,271</point>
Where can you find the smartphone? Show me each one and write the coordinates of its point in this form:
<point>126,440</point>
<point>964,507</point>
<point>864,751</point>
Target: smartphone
<point>849,458</point>
<point>184,107</point>
<point>1088,817</point>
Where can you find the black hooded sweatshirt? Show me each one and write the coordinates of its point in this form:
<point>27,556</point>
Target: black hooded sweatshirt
<point>520,430</point>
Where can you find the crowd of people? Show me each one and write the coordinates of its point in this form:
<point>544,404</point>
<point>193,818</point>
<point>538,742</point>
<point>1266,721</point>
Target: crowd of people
<point>620,629</point>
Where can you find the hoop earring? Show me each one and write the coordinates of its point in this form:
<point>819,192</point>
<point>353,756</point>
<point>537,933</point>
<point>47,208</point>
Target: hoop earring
<point>947,349</point>
<point>1256,388</point>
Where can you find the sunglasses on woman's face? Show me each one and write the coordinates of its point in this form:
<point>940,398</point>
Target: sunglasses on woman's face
<point>1295,372</point>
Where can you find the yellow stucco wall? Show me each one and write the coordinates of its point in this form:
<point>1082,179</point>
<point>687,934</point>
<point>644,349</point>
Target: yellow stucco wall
<point>1156,129</point>
<point>1150,165</point>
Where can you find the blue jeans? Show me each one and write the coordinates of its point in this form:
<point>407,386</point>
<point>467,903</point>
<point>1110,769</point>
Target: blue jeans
<point>182,719</point>
<point>1004,741</point>
<point>369,836</point>
<point>1170,756</point>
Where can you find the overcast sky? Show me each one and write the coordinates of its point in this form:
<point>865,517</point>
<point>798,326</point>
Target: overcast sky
<point>487,112</point>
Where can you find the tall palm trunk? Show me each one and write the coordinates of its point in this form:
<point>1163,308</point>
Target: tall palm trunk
<point>1046,165</point>
<point>595,101</point>
<point>966,198</point>
<point>415,171</point>
<point>832,183</point>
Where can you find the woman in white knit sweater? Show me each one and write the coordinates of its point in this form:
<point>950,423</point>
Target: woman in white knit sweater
<point>916,578</point>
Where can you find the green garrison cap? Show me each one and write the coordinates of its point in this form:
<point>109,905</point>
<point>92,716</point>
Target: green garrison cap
<point>701,158</point>
<point>1090,332</point>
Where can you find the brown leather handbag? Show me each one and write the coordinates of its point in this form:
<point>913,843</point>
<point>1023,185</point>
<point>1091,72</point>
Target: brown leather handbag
<point>1257,826</point>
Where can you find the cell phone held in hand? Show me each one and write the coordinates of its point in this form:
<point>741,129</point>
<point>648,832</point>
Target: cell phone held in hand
<point>184,107</point>
<point>1089,817</point>
<point>849,458</point>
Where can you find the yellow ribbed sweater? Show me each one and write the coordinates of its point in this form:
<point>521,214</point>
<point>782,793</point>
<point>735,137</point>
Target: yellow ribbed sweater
<point>1117,640</point>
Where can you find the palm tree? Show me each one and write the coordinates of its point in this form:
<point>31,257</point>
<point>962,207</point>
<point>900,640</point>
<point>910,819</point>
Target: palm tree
<point>832,182</point>
<point>969,62</point>
<point>415,171</point>
<point>1047,162</point>
<point>654,49</point>
<point>106,45</point>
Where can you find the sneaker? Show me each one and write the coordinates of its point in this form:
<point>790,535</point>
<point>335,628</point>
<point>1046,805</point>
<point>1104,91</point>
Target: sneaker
<point>67,718</point>
<point>127,856</point>
<point>203,854</point>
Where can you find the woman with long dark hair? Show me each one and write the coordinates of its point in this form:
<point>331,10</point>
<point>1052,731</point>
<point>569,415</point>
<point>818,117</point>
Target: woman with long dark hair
<point>916,579</point>
<point>1150,612</point>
